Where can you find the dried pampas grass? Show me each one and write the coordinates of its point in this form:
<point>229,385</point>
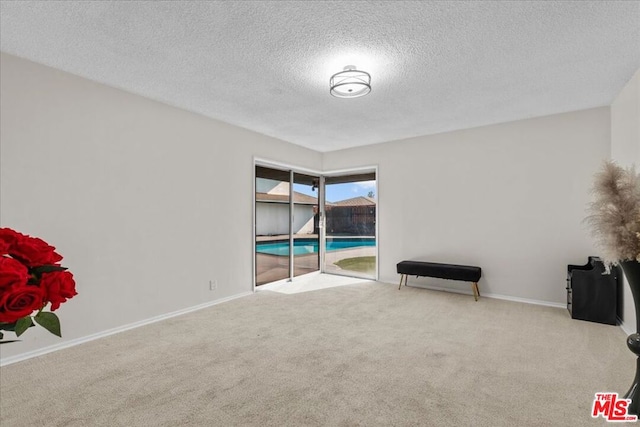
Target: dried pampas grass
<point>614,214</point>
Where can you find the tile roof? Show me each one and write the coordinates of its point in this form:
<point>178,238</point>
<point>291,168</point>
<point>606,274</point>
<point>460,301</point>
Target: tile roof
<point>357,201</point>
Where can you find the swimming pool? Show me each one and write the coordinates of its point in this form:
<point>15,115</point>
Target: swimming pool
<point>310,246</point>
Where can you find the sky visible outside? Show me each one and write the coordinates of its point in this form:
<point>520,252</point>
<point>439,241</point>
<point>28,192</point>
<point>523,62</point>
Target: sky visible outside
<point>338,192</point>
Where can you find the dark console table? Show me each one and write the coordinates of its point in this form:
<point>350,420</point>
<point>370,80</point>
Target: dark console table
<point>592,294</point>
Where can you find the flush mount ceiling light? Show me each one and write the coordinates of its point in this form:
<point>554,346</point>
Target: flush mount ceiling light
<point>350,83</point>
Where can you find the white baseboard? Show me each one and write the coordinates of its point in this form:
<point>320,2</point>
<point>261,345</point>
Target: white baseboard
<point>628,329</point>
<point>28,355</point>
<point>490,295</point>
<point>527,300</point>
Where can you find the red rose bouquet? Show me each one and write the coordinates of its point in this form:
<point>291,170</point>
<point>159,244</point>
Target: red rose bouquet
<point>31,277</point>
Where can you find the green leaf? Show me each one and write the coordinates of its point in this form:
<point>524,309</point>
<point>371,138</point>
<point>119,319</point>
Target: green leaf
<point>23,324</point>
<point>49,321</point>
<point>8,326</point>
<point>47,269</point>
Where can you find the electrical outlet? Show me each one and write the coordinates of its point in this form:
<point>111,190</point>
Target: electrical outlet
<point>213,285</point>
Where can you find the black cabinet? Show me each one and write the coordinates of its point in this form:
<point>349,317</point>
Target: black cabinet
<point>592,294</point>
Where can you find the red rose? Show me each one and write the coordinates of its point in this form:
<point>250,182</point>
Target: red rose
<point>12,273</point>
<point>33,251</point>
<point>58,287</point>
<point>20,301</point>
<point>7,238</point>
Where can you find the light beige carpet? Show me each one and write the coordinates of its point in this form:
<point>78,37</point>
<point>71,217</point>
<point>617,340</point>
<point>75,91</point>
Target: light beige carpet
<point>358,355</point>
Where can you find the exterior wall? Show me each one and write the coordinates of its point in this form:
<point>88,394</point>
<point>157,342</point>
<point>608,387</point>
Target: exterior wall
<point>264,185</point>
<point>271,186</point>
<point>273,219</point>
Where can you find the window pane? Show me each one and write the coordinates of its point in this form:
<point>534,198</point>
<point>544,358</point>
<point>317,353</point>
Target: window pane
<point>272,225</point>
<point>305,224</point>
<point>351,225</point>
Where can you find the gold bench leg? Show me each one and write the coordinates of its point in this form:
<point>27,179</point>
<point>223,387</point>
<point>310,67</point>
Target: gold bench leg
<point>476,291</point>
<point>405,277</point>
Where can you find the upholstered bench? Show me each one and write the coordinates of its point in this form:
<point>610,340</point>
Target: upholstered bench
<point>464,273</point>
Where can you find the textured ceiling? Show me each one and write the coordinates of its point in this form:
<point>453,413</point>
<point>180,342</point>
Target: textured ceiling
<point>265,66</point>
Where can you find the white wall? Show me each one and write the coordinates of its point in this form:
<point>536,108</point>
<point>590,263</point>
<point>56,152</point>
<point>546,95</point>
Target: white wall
<point>509,198</point>
<point>625,150</point>
<point>146,202</point>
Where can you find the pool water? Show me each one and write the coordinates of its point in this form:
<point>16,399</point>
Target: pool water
<point>310,246</point>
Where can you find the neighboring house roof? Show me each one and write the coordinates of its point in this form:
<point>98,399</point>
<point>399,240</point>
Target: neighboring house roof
<point>357,201</point>
<point>297,198</point>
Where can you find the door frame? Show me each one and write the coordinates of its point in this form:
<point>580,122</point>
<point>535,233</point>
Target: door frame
<point>347,172</point>
<point>259,161</point>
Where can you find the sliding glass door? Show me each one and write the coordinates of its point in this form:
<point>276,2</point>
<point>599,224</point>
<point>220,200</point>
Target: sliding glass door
<point>350,232</point>
<point>287,224</point>
<point>273,198</point>
<point>306,214</point>
<point>289,233</point>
